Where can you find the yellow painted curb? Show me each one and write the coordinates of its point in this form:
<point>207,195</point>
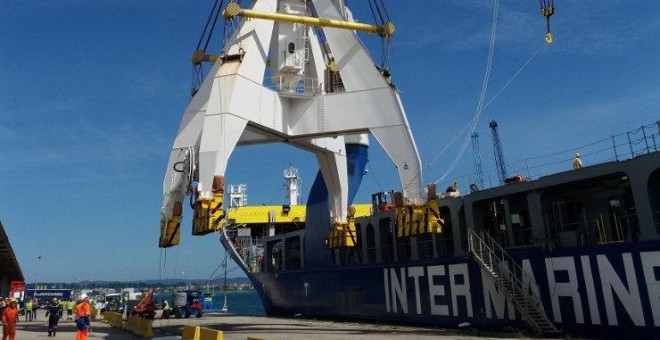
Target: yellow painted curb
<point>114,319</point>
<point>190,333</point>
<point>140,326</point>
<point>209,334</point>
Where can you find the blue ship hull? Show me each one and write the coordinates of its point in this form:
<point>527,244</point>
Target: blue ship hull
<point>600,291</point>
<point>594,279</point>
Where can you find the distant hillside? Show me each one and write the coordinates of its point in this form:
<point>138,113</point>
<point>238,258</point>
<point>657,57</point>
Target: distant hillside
<point>141,283</point>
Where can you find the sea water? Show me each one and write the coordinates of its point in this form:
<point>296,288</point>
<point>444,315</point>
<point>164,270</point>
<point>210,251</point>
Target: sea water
<point>241,302</point>
<point>245,303</point>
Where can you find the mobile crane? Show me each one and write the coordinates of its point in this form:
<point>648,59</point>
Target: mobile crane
<point>146,307</point>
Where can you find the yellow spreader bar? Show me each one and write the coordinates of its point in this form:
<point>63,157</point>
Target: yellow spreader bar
<point>233,9</point>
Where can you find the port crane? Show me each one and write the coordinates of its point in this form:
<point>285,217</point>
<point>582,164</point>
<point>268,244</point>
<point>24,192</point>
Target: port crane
<point>324,91</point>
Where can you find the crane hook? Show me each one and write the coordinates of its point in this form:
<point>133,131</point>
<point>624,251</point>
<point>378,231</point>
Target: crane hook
<point>547,10</point>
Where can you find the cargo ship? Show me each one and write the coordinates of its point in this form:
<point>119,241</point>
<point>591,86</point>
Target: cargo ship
<point>572,253</point>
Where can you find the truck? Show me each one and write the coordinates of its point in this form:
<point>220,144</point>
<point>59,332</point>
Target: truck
<point>44,296</point>
<point>110,302</point>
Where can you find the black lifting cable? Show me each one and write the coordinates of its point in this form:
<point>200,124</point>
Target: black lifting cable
<point>547,10</point>
<point>215,21</point>
<point>379,12</point>
<point>205,38</point>
<point>210,21</point>
<point>319,31</point>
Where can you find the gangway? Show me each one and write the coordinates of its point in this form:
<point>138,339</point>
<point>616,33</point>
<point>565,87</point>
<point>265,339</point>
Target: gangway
<point>508,276</point>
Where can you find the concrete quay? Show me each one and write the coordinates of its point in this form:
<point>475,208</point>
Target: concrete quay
<point>236,327</point>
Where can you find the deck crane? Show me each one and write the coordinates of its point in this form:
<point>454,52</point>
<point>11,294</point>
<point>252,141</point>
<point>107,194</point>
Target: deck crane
<point>476,161</point>
<point>498,152</point>
<point>236,106</point>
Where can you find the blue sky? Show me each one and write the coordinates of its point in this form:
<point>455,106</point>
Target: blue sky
<point>92,92</point>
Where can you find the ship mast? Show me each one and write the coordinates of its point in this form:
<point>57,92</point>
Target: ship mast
<point>291,177</point>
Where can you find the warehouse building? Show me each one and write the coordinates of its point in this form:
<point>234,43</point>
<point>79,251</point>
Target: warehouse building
<point>9,268</point>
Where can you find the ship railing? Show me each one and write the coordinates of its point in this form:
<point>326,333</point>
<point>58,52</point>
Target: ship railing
<point>623,146</point>
<point>304,87</point>
<point>250,250</point>
<point>509,275</point>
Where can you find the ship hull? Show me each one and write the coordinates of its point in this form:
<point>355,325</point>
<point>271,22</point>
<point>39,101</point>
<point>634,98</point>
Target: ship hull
<point>598,291</point>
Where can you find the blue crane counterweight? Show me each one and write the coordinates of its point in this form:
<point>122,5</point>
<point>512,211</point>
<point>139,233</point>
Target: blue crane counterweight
<point>498,153</point>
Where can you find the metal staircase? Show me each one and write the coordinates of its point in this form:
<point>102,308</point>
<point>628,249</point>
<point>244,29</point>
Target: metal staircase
<point>507,275</point>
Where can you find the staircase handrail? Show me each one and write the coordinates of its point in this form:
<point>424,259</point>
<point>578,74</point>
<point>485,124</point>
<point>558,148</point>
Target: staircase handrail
<point>495,249</point>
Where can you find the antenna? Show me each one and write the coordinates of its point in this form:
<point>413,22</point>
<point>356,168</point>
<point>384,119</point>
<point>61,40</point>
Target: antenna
<point>499,154</point>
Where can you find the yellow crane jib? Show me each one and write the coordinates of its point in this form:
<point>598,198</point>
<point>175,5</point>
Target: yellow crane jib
<point>233,10</point>
<point>170,230</point>
<point>208,214</point>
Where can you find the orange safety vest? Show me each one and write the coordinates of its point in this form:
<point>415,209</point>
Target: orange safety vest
<point>83,309</point>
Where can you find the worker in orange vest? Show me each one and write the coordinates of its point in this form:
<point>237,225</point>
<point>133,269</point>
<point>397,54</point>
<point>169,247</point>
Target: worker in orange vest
<point>9,320</point>
<point>83,312</point>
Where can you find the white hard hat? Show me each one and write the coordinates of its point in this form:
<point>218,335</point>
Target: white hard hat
<point>577,154</point>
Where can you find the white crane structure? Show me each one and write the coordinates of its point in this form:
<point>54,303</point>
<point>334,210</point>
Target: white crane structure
<point>286,76</point>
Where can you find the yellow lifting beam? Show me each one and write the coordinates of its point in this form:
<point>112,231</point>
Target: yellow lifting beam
<point>233,9</point>
<point>208,215</point>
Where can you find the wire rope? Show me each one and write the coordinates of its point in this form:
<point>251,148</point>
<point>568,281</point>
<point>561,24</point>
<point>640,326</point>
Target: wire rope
<point>160,266</point>
<point>484,88</point>
<point>176,261</point>
<point>375,177</point>
<point>215,21</point>
<point>486,105</point>
<point>515,75</point>
<point>208,20</point>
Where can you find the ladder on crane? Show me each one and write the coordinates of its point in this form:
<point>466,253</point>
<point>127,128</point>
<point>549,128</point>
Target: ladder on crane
<point>507,275</point>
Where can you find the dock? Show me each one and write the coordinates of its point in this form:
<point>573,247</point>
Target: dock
<point>235,327</point>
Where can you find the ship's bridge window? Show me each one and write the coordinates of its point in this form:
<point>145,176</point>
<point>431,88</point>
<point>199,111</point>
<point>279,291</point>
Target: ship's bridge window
<point>444,241</point>
<point>493,220</point>
<point>403,248</point>
<point>274,256</point>
<point>521,228</point>
<point>596,211</point>
<point>292,253</point>
<point>386,232</point>
<point>371,244</point>
<point>425,245</point>
<point>654,197</point>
